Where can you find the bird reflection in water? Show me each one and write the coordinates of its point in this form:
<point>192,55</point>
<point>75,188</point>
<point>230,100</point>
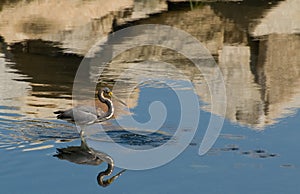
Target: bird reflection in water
<point>85,155</point>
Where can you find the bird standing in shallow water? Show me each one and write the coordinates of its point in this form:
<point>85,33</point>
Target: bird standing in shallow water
<point>86,115</point>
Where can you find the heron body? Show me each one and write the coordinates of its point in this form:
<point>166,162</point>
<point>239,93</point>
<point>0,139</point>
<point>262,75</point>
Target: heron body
<point>86,115</point>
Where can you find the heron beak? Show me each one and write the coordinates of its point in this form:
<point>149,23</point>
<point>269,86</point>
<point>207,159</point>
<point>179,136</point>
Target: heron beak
<point>116,176</point>
<point>110,94</point>
<point>119,100</point>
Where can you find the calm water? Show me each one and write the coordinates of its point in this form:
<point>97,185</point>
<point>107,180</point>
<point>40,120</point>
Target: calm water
<point>254,43</point>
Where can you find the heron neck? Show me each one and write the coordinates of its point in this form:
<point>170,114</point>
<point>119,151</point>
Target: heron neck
<point>101,176</point>
<point>109,104</point>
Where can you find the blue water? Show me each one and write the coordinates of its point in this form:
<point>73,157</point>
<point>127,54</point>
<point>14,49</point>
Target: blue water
<point>216,172</point>
<point>241,160</point>
<point>257,150</point>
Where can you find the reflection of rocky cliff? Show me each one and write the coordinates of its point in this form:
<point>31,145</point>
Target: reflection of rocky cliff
<point>75,25</point>
<point>275,67</point>
<point>260,69</point>
<point>261,80</point>
<point>243,96</point>
<point>70,23</point>
<point>38,34</point>
<point>202,23</point>
<point>278,70</point>
<point>284,19</point>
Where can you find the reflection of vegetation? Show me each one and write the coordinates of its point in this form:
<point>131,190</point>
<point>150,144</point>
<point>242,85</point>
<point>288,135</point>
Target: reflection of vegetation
<point>6,2</point>
<point>195,4</point>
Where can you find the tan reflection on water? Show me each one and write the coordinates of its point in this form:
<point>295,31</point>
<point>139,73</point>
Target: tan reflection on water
<point>279,73</point>
<point>258,56</point>
<point>284,19</point>
<point>260,89</point>
<point>244,103</point>
<point>77,25</point>
<point>68,22</point>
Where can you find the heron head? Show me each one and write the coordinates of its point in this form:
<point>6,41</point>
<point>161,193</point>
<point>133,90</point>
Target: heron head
<point>107,91</point>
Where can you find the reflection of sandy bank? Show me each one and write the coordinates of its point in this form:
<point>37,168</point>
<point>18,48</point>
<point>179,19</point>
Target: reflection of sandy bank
<point>284,19</point>
<point>258,97</point>
<point>201,23</point>
<point>259,91</point>
<point>243,97</point>
<point>76,25</point>
<point>69,22</point>
<point>247,80</point>
<point>279,70</point>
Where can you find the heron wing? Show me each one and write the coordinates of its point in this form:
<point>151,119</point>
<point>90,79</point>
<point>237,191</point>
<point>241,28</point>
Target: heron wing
<point>84,117</point>
<point>88,109</point>
<point>83,114</point>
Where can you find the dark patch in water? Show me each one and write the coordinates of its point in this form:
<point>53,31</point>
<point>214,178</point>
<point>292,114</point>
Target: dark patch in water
<point>128,138</point>
<point>287,166</point>
<point>230,148</point>
<point>257,153</point>
<point>245,152</point>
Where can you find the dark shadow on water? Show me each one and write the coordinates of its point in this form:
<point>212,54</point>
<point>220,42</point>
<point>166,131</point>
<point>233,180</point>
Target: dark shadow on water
<point>50,71</point>
<point>134,139</point>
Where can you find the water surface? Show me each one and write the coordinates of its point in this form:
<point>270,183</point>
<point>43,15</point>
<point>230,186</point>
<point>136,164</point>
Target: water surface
<point>257,149</point>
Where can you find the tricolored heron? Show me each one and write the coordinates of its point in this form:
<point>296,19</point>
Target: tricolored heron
<point>86,115</point>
